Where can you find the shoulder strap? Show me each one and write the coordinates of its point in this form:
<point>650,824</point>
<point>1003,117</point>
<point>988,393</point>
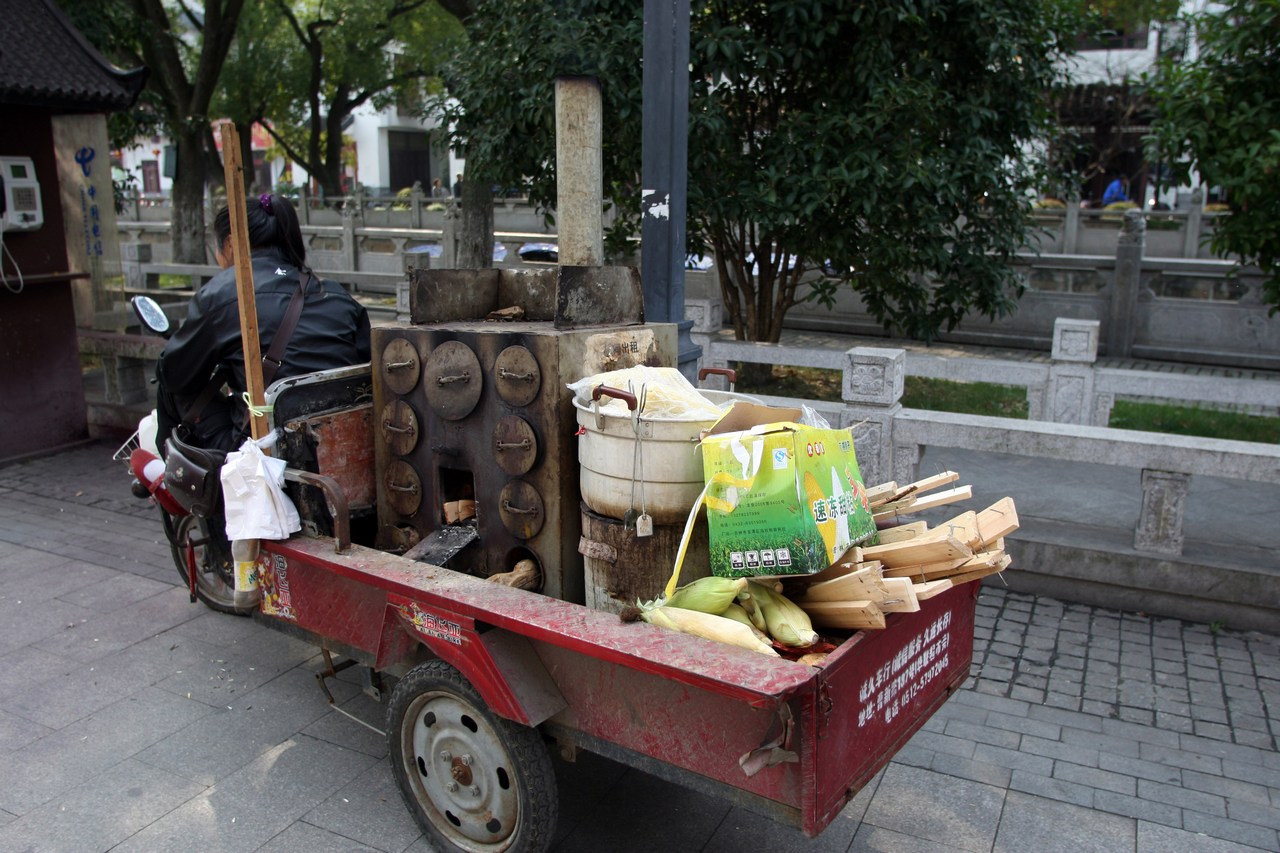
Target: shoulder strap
<point>275,354</point>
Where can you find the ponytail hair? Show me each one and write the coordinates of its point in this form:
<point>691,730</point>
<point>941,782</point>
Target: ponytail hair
<point>272,223</point>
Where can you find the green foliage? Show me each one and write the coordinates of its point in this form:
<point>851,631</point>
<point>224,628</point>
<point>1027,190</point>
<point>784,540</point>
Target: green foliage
<point>886,138</point>
<point>305,67</point>
<point>1219,115</point>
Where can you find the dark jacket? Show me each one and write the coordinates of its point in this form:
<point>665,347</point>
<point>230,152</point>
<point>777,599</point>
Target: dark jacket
<point>333,331</point>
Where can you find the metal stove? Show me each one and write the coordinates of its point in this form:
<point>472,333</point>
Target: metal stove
<point>470,409</point>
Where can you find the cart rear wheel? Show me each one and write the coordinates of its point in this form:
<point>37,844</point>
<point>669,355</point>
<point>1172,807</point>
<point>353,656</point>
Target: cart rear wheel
<point>475,781</point>
<point>195,538</point>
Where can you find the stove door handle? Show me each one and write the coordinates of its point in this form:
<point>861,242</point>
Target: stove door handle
<point>507,507</point>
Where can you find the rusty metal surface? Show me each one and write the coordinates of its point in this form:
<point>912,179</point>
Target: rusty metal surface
<point>523,512</point>
<point>398,427</point>
<point>452,380</point>
<point>451,296</point>
<point>598,296</point>
<point>403,487</point>
<point>344,451</point>
<point>515,445</point>
<point>691,703</point>
<point>400,366</point>
<point>517,376</point>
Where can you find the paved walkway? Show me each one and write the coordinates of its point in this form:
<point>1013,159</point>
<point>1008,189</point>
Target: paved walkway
<point>131,720</point>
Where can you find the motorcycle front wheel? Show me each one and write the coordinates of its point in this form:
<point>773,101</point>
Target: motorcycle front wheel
<point>200,546</point>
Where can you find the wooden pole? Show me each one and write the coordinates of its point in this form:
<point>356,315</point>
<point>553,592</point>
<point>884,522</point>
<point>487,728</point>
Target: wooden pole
<point>233,169</point>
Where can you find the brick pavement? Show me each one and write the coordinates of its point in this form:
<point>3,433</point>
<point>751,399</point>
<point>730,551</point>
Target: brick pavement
<point>132,720</point>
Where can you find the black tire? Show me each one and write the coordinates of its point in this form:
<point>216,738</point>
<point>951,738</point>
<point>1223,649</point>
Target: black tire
<point>191,537</point>
<point>475,782</point>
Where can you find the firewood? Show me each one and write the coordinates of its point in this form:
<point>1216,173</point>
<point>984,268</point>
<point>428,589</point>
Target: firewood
<point>917,487</point>
<point>525,575</point>
<point>916,551</point>
<point>844,614</point>
<point>911,504</point>
<point>929,589</point>
<point>998,520</point>
<point>903,532</point>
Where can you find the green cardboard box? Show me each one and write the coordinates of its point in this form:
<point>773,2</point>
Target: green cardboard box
<point>782,498</point>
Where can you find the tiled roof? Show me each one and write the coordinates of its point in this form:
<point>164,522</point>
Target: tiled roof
<point>46,62</point>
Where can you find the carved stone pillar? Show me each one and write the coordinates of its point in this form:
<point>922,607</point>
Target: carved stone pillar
<point>1069,397</point>
<point>1164,499</point>
<point>872,394</point>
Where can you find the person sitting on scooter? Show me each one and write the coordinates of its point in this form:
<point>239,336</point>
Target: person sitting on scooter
<point>206,351</point>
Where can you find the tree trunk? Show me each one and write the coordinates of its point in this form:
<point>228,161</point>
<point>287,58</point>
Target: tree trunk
<point>188,237</point>
<point>475,237</point>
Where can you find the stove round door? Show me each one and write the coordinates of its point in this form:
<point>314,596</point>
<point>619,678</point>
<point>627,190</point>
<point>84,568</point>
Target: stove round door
<point>515,445</point>
<point>403,487</point>
<point>517,376</point>
<point>521,509</point>
<point>400,366</point>
<point>452,380</point>
<point>399,427</point>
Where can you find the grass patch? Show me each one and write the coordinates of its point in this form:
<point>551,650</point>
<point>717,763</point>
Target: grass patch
<point>1193,420</point>
<point>1007,401</point>
<point>970,398</point>
<point>171,280</point>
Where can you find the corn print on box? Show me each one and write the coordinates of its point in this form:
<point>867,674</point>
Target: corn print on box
<point>782,498</point>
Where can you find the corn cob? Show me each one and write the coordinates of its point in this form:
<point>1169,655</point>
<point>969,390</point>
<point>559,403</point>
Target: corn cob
<point>707,625</point>
<point>708,595</point>
<point>784,620</point>
<point>748,604</point>
<point>737,614</point>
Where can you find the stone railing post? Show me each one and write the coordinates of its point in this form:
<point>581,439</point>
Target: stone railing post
<point>349,248</point>
<point>1164,499</point>
<point>872,392</point>
<point>1071,225</point>
<point>1127,283</point>
<point>411,261</point>
<point>708,318</point>
<point>1069,396</point>
<point>415,205</point>
<point>449,238</point>
<point>132,257</point>
<point>1193,225</point>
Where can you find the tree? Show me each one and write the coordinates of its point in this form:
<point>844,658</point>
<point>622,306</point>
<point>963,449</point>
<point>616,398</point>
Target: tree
<point>886,142</point>
<point>1219,116</point>
<point>345,54</point>
<point>184,47</point>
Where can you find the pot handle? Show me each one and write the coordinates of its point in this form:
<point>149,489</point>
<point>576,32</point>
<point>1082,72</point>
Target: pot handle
<point>616,393</point>
<point>727,372</point>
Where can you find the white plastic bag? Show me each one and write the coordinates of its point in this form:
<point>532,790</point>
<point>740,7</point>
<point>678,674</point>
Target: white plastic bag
<point>253,492</point>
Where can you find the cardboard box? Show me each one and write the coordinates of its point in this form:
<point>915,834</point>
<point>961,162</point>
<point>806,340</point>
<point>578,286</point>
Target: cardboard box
<point>782,498</point>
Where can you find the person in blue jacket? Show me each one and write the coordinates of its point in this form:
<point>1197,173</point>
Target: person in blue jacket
<point>1117,190</point>
<point>333,330</point>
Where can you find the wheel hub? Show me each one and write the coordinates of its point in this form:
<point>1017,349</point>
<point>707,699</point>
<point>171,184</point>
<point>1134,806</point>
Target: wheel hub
<point>462,768</point>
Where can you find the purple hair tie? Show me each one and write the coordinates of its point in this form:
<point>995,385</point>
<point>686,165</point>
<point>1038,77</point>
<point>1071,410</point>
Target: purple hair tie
<point>264,201</point>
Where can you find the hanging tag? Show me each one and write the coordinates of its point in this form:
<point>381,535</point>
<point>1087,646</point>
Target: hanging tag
<point>644,525</point>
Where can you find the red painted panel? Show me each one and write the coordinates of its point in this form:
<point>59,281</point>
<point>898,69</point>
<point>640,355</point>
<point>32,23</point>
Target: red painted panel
<point>692,703</point>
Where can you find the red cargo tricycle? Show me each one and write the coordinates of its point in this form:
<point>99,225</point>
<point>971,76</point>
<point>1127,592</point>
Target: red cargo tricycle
<point>484,679</point>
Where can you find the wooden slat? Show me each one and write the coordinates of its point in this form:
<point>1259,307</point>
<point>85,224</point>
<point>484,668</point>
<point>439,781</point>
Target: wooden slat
<point>964,527</point>
<point>999,519</point>
<point>927,571</point>
<point>880,493</point>
<point>918,487</point>
<point>842,568</point>
<point>981,573</point>
<point>902,532</point>
<point>929,589</point>
<point>889,511</point>
<point>865,583</point>
<point>845,614</point>
<point>914,551</point>
<point>900,596</point>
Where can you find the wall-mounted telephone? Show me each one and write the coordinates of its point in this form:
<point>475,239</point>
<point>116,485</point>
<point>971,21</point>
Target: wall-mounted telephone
<point>20,206</point>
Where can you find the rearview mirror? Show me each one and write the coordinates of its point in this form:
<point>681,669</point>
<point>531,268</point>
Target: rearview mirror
<point>152,315</point>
